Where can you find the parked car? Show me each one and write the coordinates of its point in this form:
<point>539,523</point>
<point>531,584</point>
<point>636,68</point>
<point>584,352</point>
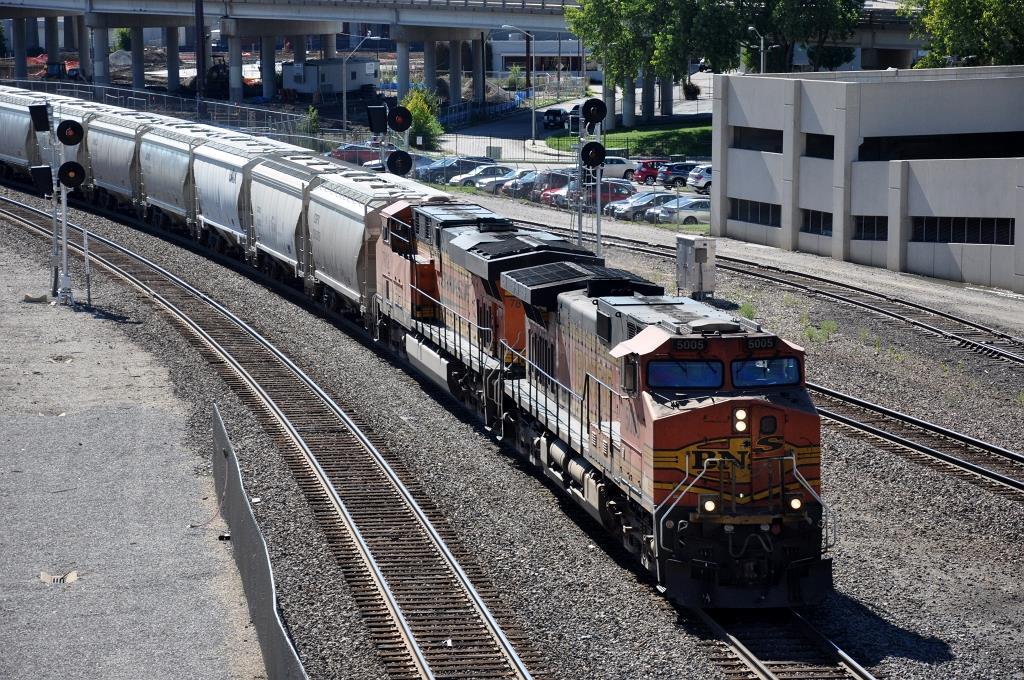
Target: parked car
<point>572,119</point>
<point>636,209</point>
<point>617,167</point>
<point>647,170</point>
<point>612,190</point>
<point>361,153</point>
<point>444,169</point>
<point>468,179</point>
<point>700,178</point>
<point>675,174</point>
<point>682,210</point>
<point>609,208</point>
<point>520,188</point>
<point>552,181</point>
<point>555,118</point>
<point>493,184</point>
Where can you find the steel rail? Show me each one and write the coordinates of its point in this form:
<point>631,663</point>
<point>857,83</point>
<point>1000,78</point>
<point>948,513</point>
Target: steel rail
<point>479,605</point>
<point>747,268</point>
<point>762,669</point>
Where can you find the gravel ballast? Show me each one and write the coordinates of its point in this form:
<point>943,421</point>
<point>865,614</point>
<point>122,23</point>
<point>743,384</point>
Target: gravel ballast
<point>920,570</point>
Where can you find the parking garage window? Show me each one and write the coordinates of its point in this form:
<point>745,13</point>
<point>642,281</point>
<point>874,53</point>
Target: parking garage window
<point>767,214</point>
<point>816,222</point>
<point>756,139</point>
<point>820,146</point>
<point>870,228</point>
<point>986,230</point>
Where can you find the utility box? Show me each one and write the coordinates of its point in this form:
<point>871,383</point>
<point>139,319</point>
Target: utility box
<point>695,265</point>
<point>494,153</point>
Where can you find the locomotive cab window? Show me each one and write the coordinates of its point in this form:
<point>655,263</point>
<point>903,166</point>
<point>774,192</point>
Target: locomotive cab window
<point>674,374</point>
<point>766,372</point>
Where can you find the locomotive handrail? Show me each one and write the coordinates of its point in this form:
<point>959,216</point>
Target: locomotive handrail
<point>658,527</point>
<point>829,517</point>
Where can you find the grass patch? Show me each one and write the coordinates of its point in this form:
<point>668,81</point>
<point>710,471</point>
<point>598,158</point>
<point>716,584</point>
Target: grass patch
<point>658,140</point>
<point>821,333</point>
<point>747,311</point>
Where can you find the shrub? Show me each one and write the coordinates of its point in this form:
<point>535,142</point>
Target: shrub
<point>123,39</point>
<point>691,90</point>
<point>310,123</point>
<point>423,106</point>
<point>515,77</point>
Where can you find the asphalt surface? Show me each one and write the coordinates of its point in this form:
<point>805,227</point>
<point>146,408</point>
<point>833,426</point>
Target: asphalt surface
<point>97,487</point>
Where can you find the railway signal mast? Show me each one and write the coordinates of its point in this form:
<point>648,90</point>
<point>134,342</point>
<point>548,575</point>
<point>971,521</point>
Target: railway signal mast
<point>70,175</point>
<point>591,160</point>
<point>398,119</point>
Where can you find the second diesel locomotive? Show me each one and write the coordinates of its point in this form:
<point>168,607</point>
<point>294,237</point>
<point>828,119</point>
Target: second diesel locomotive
<point>683,430</point>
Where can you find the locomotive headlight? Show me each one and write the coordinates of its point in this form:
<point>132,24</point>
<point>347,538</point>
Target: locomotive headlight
<point>739,420</point>
<point>795,503</point>
<point>709,504</point>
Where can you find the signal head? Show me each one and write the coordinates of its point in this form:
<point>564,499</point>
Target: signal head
<point>399,119</point>
<point>40,114</point>
<point>71,174</point>
<point>70,132</point>
<point>42,178</point>
<point>593,110</point>
<point>399,162</point>
<point>592,154</point>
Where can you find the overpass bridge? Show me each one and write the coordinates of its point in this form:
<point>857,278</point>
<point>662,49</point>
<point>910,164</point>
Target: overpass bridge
<point>426,21</point>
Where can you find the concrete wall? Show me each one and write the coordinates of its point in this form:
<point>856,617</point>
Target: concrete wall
<point>754,175</point>
<point>815,187</point>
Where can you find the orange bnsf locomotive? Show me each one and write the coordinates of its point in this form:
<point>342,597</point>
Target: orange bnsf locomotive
<point>684,430</point>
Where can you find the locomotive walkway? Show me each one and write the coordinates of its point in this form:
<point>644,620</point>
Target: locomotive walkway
<point>101,575</point>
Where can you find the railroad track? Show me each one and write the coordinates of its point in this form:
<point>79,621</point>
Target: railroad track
<point>996,468</point>
<point>775,645</point>
<point>963,332</point>
<point>423,611</point>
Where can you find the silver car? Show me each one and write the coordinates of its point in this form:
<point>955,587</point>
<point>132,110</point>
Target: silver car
<point>634,210</point>
<point>685,210</point>
<point>478,173</point>
<point>492,185</point>
<point>617,167</point>
<point>700,178</point>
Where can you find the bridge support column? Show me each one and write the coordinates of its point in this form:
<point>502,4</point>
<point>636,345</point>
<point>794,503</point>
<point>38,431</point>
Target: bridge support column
<point>267,65</point>
<point>32,32</point>
<point>667,93</point>
<point>84,48</point>
<point>101,55</point>
<point>235,90</point>
<point>455,71</point>
<point>20,50</point>
<point>629,102</point>
<point>138,58</point>
<point>479,72</point>
<point>647,98</point>
<point>430,65</point>
<point>330,45</point>
<point>52,40</point>
<point>70,37</point>
<point>171,41</point>
<point>298,48</point>
<point>402,57</point>
<point>608,94</point>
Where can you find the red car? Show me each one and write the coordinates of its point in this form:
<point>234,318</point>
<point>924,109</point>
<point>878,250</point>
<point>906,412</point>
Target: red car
<point>357,154</point>
<point>647,171</point>
<point>611,190</point>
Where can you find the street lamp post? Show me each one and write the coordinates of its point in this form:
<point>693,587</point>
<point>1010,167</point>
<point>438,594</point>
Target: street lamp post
<point>531,79</point>
<point>344,80</point>
<point>761,38</point>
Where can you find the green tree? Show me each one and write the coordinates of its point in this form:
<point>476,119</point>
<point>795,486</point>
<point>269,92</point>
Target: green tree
<point>817,24</point>
<point>423,106</point>
<point>969,32</point>
<point>123,39</point>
